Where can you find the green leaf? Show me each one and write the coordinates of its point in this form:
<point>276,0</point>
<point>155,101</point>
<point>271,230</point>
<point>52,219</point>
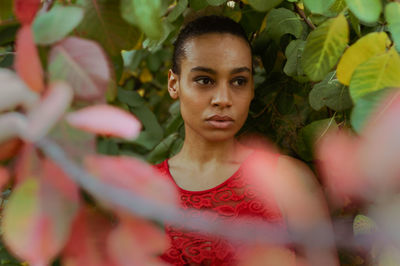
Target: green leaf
<point>376,73</point>
<point>107,146</point>
<point>6,10</point>
<point>324,47</point>
<point>161,151</point>
<point>232,13</point>
<point>282,21</point>
<point>251,19</point>
<point>392,15</point>
<point>54,25</point>
<point>6,259</point>
<point>103,23</point>
<point>262,5</point>
<point>372,44</point>
<point>355,23</point>
<point>178,10</point>
<point>8,34</point>
<point>7,61</point>
<point>198,4</point>
<point>309,135</point>
<point>154,45</point>
<point>366,10</point>
<point>153,132</point>
<point>365,106</point>
<point>338,6</point>
<point>215,2</point>
<point>293,54</point>
<point>146,14</point>
<point>133,58</point>
<point>318,6</point>
<point>176,147</point>
<point>330,93</point>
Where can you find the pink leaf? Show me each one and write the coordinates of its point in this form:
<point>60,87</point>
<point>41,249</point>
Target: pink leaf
<point>12,124</point>
<point>37,220</point>
<point>25,10</point>
<point>136,242</point>
<point>4,177</point>
<point>28,163</point>
<point>49,110</point>
<point>83,64</point>
<point>380,152</point>
<point>134,175</point>
<point>76,143</point>
<point>259,255</point>
<point>9,148</point>
<point>54,175</point>
<point>105,120</point>
<point>339,164</point>
<point>87,244</point>
<point>27,62</point>
<point>14,92</point>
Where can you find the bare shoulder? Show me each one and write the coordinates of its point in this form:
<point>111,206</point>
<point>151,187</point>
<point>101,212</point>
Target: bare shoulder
<point>286,162</point>
<point>296,171</point>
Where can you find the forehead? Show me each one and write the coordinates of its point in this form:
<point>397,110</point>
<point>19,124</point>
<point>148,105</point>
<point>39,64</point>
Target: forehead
<point>217,51</point>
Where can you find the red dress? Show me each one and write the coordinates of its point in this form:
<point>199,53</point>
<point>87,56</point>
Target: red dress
<point>234,197</point>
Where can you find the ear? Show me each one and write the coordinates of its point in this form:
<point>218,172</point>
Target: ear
<point>173,84</point>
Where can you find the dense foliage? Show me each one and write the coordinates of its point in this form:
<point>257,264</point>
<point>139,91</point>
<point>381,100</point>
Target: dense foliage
<point>320,66</point>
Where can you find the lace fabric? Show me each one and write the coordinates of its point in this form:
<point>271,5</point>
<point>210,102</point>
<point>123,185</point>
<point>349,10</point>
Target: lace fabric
<point>233,198</point>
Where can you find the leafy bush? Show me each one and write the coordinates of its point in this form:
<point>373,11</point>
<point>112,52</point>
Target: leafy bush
<point>320,66</point>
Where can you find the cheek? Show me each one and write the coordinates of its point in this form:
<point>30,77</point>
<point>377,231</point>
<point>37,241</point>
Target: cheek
<point>191,107</point>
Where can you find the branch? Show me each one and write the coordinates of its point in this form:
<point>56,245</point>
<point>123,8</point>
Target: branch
<point>303,16</point>
<point>47,4</point>
<point>242,229</point>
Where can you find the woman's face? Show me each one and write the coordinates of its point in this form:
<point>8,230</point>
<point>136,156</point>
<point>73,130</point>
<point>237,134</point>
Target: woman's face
<point>215,86</point>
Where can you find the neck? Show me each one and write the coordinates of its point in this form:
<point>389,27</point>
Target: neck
<point>199,151</point>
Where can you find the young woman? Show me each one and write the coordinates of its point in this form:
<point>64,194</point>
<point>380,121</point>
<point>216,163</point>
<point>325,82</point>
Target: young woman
<point>212,76</point>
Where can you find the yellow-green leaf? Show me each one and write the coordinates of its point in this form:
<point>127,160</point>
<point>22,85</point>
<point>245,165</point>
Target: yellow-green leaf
<point>378,72</point>
<point>324,47</point>
<point>38,216</point>
<point>370,45</point>
<point>392,14</point>
<point>363,225</point>
<point>23,203</point>
<point>366,10</point>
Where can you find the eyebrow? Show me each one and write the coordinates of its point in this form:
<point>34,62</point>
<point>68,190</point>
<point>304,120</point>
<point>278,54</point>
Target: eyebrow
<point>212,71</point>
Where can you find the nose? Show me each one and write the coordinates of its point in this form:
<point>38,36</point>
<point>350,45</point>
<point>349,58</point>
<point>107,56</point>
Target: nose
<point>222,97</point>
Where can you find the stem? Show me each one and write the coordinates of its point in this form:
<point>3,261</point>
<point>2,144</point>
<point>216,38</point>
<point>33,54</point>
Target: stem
<point>150,209</point>
<point>303,16</point>
<point>47,4</point>
<point>243,230</point>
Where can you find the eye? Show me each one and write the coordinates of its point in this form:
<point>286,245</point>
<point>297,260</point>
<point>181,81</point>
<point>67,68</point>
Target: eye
<point>240,81</point>
<point>204,80</point>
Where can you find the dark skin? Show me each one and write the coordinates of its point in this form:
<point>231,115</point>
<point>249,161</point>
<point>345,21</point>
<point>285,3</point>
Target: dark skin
<point>216,79</point>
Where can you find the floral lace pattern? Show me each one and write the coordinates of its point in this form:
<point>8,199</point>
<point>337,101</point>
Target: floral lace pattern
<point>234,197</point>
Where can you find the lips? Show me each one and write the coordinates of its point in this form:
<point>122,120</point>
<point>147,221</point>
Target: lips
<point>220,122</point>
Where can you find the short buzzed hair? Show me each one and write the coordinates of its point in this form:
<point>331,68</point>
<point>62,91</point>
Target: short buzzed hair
<point>200,26</point>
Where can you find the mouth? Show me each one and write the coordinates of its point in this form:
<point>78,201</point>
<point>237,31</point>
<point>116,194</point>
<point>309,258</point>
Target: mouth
<point>220,122</point>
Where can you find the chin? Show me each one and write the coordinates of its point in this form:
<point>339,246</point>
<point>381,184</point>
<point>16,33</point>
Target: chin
<point>219,136</point>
